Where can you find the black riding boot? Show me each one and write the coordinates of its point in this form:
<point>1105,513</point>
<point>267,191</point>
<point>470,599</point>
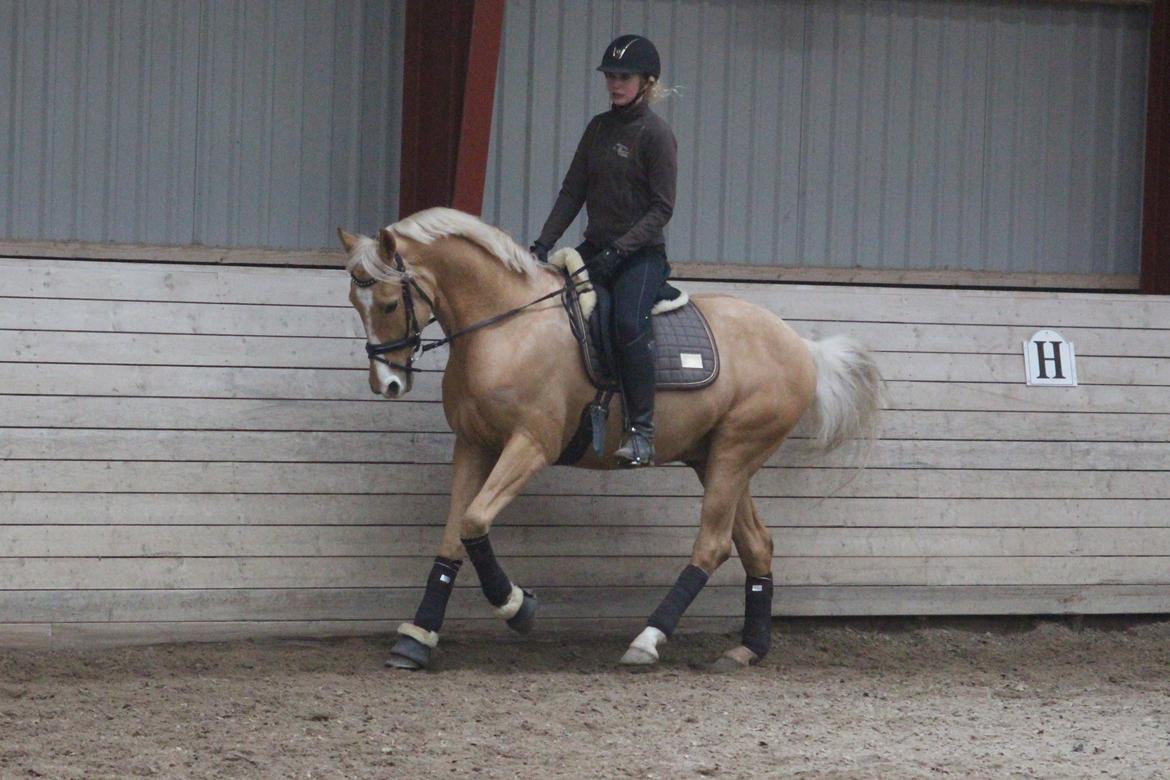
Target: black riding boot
<point>637,378</point>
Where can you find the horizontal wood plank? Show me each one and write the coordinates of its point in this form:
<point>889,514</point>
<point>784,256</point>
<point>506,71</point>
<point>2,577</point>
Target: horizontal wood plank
<point>427,416</point>
<point>349,382</point>
<point>170,317</point>
<point>362,604</point>
<point>65,606</point>
<point>87,250</point>
<point>599,511</point>
<point>436,448</point>
<point>220,414</point>
<point>134,542</point>
<point>55,279</point>
<point>325,478</point>
<point>1037,424</point>
<point>570,571</point>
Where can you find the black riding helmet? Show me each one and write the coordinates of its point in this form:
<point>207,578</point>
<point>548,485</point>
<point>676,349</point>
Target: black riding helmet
<point>631,54</point>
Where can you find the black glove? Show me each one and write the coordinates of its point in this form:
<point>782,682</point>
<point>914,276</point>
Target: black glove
<point>604,265</point>
<point>540,251</point>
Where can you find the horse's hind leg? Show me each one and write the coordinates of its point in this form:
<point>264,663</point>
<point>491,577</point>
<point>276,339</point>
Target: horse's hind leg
<point>724,482</point>
<point>753,542</point>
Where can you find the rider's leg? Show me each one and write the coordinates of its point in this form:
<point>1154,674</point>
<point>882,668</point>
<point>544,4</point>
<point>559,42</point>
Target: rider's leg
<point>635,290</point>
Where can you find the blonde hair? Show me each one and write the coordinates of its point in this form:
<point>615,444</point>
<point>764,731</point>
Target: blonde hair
<point>657,91</point>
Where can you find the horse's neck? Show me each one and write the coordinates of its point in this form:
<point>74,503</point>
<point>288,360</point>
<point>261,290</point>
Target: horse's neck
<point>474,286</point>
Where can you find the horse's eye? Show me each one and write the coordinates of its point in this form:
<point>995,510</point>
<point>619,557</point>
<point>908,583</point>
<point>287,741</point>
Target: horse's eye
<point>390,307</point>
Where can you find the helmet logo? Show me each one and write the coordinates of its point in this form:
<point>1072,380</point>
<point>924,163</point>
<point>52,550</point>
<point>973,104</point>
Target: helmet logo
<point>618,53</point>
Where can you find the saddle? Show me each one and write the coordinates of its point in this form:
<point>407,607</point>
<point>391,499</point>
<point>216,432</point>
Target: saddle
<point>686,355</point>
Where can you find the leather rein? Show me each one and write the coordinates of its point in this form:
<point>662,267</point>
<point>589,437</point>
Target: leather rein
<point>413,338</point>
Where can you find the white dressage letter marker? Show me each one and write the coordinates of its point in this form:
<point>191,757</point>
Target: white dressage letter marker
<point>1050,360</point>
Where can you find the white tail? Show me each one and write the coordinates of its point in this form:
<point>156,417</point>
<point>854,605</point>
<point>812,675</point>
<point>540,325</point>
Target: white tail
<point>849,392</point>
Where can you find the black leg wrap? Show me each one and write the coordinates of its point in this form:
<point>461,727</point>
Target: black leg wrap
<point>686,587</point>
<point>434,603</point>
<point>757,614</point>
<point>496,585</point>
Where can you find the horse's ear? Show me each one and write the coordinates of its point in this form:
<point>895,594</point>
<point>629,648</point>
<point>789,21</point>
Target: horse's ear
<point>387,247</point>
<point>348,240</point>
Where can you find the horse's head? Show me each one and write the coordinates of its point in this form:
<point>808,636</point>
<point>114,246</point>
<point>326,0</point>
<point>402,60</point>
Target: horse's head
<point>393,308</point>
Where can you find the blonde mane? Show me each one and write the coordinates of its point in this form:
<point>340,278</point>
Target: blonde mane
<point>432,224</point>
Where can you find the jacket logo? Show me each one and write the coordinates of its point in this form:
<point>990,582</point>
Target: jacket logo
<point>622,150</point>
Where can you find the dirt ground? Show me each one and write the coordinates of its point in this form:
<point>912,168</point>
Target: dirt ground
<point>839,699</point>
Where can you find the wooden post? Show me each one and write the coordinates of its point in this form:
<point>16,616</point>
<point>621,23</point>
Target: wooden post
<point>1155,269</point>
<point>452,47</point>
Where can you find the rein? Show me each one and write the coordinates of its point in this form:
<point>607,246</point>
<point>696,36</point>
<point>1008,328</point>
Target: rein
<point>414,338</point>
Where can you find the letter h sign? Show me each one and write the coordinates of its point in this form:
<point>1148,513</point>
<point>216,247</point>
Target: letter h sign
<point>1050,360</point>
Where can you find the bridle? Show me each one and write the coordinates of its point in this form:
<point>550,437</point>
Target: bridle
<point>413,337</point>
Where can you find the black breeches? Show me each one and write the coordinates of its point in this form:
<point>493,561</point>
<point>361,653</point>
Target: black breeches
<point>635,289</point>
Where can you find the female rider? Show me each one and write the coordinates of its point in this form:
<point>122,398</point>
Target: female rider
<point>624,172</point>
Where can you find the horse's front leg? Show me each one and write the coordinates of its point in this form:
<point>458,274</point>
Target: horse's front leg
<point>416,640</point>
<point>521,458</point>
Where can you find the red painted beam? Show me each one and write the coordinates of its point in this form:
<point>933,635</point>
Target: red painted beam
<point>1155,269</point>
<point>448,88</point>
<point>478,102</point>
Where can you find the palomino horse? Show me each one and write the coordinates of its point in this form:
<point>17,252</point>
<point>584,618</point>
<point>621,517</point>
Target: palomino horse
<point>513,393</point>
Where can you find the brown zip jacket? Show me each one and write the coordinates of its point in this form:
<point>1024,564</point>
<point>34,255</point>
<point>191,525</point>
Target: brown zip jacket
<point>625,173</point>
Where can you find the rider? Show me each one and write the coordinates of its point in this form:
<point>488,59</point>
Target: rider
<point>625,171</point>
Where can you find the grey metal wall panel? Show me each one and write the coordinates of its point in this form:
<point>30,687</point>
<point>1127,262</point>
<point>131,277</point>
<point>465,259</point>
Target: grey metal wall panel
<point>853,133</point>
<point>299,134</point>
<point>216,122</point>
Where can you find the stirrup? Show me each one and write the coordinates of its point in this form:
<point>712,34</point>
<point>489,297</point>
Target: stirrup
<point>637,450</point>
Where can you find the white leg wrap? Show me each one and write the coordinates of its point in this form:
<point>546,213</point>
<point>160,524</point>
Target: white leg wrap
<point>644,649</point>
<point>428,638</point>
<point>509,608</point>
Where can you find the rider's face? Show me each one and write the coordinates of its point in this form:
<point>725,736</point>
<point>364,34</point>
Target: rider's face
<point>623,88</point>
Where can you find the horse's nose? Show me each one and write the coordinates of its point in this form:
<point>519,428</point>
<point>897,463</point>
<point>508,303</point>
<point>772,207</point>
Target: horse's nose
<point>393,388</point>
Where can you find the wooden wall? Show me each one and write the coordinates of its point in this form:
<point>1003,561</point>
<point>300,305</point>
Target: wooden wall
<point>192,452</point>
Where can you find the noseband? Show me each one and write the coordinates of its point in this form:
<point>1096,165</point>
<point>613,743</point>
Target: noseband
<point>413,337</point>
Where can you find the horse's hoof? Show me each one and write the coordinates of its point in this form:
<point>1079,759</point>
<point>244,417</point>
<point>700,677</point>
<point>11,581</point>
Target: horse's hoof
<point>643,651</point>
<point>409,653</point>
<point>524,619</point>
<point>638,656</point>
<point>734,660</point>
